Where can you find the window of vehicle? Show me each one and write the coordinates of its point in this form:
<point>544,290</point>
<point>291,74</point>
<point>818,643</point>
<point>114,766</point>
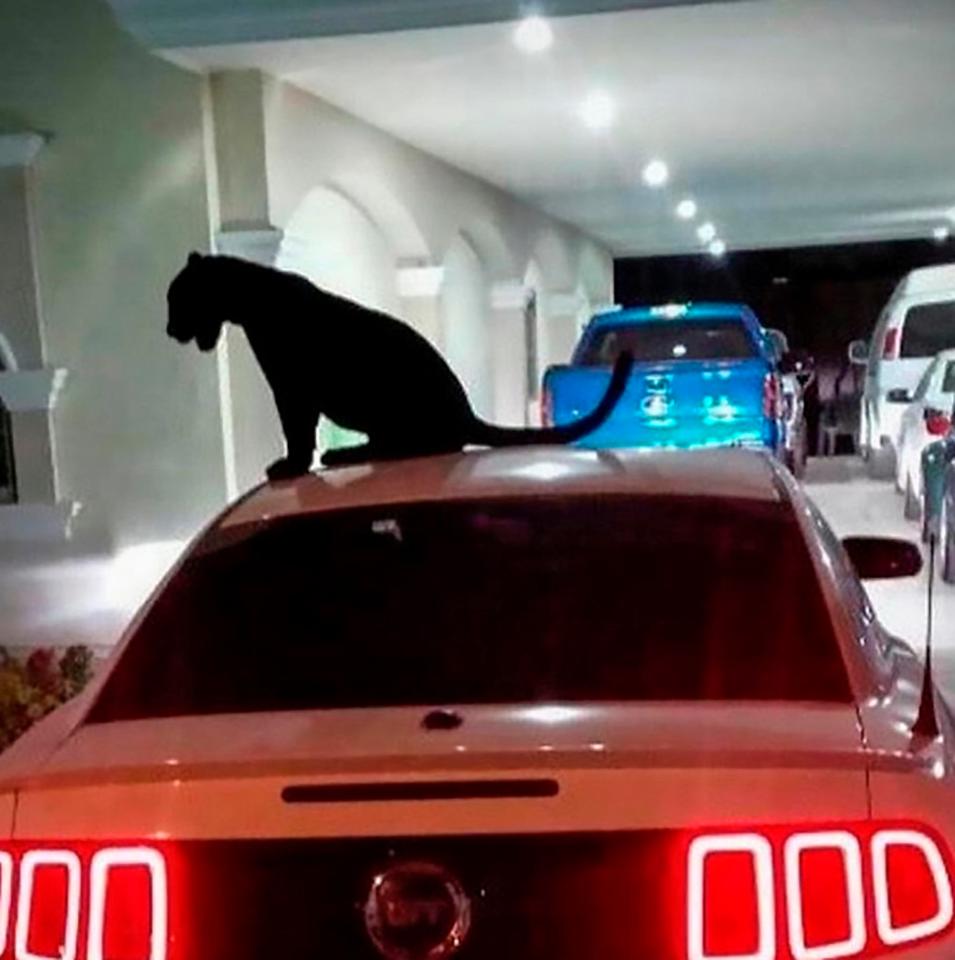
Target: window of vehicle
<point>929,328</point>
<point>714,339</point>
<point>922,387</point>
<point>559,598</point>
<point>948,380</point>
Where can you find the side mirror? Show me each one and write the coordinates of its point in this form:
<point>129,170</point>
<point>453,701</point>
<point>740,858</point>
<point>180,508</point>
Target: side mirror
<point>859,352</point>
<point>883,558</point>
<point>899,395</point>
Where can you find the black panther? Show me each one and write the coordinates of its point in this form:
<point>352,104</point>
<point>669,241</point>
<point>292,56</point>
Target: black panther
<point>367,371</point>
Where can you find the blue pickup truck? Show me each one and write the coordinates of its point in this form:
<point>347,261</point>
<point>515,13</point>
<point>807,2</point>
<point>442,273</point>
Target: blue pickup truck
<point>705,374</point>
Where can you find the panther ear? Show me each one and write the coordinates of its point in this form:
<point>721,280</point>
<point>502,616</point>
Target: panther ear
<point>194,258</point>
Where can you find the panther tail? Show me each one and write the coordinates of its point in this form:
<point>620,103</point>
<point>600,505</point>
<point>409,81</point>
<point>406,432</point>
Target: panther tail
<point>490,435</point>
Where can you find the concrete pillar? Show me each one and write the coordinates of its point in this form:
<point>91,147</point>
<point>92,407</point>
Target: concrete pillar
<point>509,301</point>
<point>28,389</point>
<point>238,117</point>
<point>565,313</point>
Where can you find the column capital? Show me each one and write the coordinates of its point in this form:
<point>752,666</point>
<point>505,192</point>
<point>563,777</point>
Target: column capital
<point>19,149</point>
<point>510,295</point>
<point>415,282</point>
<point>260,245</point>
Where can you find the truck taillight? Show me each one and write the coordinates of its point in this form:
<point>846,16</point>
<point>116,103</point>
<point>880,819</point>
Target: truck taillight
<point>890,344</point>
<point>84,903</point>
<point>772,397</point>
<point>814,894</point>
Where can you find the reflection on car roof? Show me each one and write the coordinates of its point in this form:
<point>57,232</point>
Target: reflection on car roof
<point>524,471</point>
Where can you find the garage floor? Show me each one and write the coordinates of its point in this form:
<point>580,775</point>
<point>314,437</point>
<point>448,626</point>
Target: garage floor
<point>854,504</point>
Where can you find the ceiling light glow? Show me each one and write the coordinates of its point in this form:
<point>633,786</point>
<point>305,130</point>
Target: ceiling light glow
<point>941,233</point>
<point>656,173</point>
<point>533,35</point>
<point>706,232</point>
<point>686,209</point>
<point>717,248</point>
<point>598,110</point>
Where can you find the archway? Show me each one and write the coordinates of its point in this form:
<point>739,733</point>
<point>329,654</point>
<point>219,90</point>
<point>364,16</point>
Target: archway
<point>335,243</point>
<point>465,310</point>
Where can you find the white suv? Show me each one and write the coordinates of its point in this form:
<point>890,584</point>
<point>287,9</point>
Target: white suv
<point>917,323</point>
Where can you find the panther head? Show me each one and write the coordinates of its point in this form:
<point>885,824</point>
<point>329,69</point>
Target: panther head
<point>195,307</point>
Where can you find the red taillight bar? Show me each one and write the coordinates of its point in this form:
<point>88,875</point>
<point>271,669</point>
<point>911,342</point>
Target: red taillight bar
<point>858,884</point>
<point>30,864</point>
<point>105,860</point>
<point>908,933</point>
<point>890,343</point>
<point>82,900</point>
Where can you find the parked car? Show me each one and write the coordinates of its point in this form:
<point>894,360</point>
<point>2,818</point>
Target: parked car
<point>927,417</point>
<point>705,374</point>
<point>946,525</point>
<point>917,323</point>
<point>488,703</point>
<point>935,460</point>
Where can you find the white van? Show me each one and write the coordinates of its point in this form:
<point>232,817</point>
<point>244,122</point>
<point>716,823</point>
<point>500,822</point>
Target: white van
<point>917,323</point>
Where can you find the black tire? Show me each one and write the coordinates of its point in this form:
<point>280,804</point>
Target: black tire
<point>912,508</point>
<point>946,559</point>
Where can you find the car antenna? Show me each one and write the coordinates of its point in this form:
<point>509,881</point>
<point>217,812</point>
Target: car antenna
<point>926,723</point>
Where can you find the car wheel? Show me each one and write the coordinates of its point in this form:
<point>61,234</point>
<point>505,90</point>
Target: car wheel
<point>912,509</point>
<point>946,560</point>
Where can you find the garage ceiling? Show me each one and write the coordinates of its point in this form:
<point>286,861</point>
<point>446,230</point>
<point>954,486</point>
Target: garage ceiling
<point>789,121</point>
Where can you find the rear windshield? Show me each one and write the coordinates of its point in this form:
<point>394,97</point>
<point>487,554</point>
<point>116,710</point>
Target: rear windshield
<point>571,598</point>
<point>929,328</point>
<point>670,340</point>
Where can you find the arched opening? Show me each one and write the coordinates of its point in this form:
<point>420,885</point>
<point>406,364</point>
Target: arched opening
<point>465,309</point>
<point>335,243</point>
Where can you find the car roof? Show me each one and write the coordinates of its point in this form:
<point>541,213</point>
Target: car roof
<point>926,280</point>
<point>674,311</point>
<point>515,472</point>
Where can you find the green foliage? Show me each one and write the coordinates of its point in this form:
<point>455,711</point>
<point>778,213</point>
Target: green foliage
<point>31,688</point>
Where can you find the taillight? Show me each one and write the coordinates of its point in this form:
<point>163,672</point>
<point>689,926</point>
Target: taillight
<point>772,397</point>
<point>890,344</point>
<point>547,408</point>
<point>814,894</point>
<point>937,424</point>
<point>84,903</point>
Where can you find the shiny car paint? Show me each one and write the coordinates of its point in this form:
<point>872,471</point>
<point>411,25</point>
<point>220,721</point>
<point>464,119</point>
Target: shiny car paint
<point>619,766</point>
<point>675,403</point>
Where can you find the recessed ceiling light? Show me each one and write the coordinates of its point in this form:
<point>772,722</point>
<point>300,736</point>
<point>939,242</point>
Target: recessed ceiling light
<point>533,35</point>
<point>941,233</point>
<point>686,209</point>
<point>656,173</point>
<point>717,248</point>
<point>706,232</point>
<point>598,110</point>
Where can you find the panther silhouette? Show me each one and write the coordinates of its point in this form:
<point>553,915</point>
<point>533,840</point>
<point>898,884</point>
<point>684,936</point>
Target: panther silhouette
<point>324,355</point>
